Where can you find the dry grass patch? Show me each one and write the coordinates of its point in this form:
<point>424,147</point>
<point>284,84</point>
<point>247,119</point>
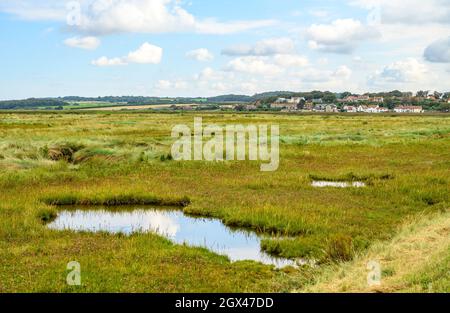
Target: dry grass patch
<point>422,243</point>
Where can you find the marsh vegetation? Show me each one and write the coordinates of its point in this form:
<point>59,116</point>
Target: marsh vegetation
<point>115,158</point>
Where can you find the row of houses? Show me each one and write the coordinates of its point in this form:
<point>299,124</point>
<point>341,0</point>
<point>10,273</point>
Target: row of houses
<point>293,104</point>
<point>290,103</point>
<point>365,109</point>
<point>308,106</point>
<point>378,109</point>
<point>285,106</point>
<point>311,107</point>
<point>363,98</point>
<point>292,100</point>
<point>408,109</point>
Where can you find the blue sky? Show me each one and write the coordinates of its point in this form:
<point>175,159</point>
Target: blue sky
<point>204,47</point>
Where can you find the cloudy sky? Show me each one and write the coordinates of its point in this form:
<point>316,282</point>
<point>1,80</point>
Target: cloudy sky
<point>204,47</point>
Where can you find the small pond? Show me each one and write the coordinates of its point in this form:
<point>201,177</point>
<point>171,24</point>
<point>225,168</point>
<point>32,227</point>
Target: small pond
<point>322,184</point>
<point>171,223</point>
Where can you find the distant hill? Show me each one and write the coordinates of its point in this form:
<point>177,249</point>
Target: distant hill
<point>270,94</point>
<point>31,104</point>
<point>230,98</point>
<point>391,99</point>
<point>134,100</point>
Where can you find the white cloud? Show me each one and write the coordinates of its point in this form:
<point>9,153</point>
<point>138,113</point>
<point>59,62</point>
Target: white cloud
<point>320,13</point>
<point>138,16</point>
<point>180,85</point>
<point>146,54</point>
<point>88,43</point>
<point>249,87</point>
<point>206,73</point>
<point>438,51</point>
<point>221,87</point>
<point>408,12</point>
<point>104,61</point>
<point>213,82</point>
<point>342,73</point>
<point>291,60</point>
<point>120,16</point>
<point>253,65</point>
<point>202,55</point>
<point>408,70</point>
<point>209,74</point>
<point>35,10</point>
<point>211,26</point>
<point>163,84</point>
<point>323,61</point>
<point>407,26</point>
<point>341,36</point>
<point>265,47</point>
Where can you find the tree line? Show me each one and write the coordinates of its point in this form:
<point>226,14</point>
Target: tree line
<point>32,103</point>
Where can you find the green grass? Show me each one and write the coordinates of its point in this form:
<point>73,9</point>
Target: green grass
<point>50,159</point>
<point>435,277</point>
<point>90,104</point>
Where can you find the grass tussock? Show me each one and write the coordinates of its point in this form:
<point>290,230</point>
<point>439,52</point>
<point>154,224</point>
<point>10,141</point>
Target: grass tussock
<point>351,177</point>
<point>340,248</point>
<point>65,151</point>
<point>115,200</point>
<point>47,215</point>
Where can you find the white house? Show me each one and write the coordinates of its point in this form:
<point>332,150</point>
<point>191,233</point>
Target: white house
<point>281,100</point>
<point>372,109</point>
<point>317,101</point>
<point>319,108</point>
<point>377,99</point>
<point>361,108</point>
<point>250,107</point>
<point>284,106</point>
<point>331,108</point>
<point>295,100</point>
<point>350,109</point>
<point>355,99</point>
<point>408,109</point>
<point>228,106</point>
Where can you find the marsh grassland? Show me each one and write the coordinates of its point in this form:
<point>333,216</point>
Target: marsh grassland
<point>401,218</point>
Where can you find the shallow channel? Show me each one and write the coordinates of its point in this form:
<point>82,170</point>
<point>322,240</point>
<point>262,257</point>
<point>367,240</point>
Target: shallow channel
<point>173,224</point>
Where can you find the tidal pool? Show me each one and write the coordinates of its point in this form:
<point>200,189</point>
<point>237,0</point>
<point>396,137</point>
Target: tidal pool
<point>322,184</point>
<point>175,225</point>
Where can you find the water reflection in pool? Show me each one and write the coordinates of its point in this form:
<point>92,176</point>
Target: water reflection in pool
<point>173,224</point>
<point>322,184</point>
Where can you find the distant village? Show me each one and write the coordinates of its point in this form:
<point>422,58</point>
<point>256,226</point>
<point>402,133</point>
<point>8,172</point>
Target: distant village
<point>272,101</point>
<point>348,104</point>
